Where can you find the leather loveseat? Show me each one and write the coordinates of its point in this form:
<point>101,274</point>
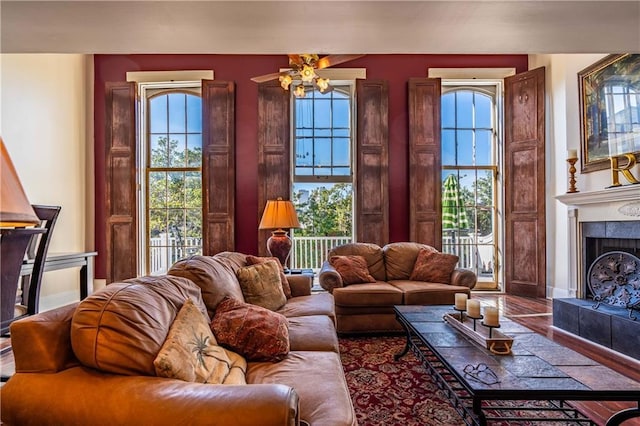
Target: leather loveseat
<point>368,307</point>
<point>76,366</point>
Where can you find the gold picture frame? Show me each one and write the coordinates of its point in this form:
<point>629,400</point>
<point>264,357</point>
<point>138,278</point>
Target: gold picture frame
<point>609,108</point>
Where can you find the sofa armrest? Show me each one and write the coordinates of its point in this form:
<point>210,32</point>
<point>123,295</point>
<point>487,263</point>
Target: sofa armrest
<point>83,396</point>
<point>300,284</point>
<point>464,277</point>
<point>329,278</point>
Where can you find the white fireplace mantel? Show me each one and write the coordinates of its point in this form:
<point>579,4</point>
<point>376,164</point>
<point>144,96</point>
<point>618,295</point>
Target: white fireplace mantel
<point>612,204</point>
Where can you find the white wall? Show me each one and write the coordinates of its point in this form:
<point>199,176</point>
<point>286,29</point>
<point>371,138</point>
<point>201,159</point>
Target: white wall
<point>46,121</point>
<point>563,133</point>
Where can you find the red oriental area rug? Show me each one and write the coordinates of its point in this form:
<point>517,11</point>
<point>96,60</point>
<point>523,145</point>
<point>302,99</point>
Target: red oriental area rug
<point>386,392</point>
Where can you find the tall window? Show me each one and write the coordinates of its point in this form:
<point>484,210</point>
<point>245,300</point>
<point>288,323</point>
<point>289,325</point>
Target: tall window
<point>470,165</point>
<point>171,202</point>
<point>323,139</point>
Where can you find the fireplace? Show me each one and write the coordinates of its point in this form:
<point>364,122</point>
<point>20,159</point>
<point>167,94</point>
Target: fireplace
<point>609,323</point>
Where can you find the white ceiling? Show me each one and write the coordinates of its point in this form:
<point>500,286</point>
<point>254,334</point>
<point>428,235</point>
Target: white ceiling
<point>269,27</point>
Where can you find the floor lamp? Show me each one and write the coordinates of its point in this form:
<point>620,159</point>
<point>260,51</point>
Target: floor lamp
<point>16,214</point>
<point>279,214</point>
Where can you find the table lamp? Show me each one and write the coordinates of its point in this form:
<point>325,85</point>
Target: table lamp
<point>16,214</point>
<point>279,214</point>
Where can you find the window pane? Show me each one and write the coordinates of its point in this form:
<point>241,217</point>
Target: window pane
<point>483,148</point>
<point>158,114</point>
<point>324,133</point>
<point>464,109</point>
<point>177,112</point>
<point>159,151</point>
<point>304,171</point>
<point>322,114</point>
<point>342,132</point>
<point>322,152</point>
<point>175,188</point>
<point>483,109</point>
<point>304,152</point>
<point>341,117</point>
<point>341,152</point>
<point>177,153</point>
<point>194,114</point>
<point>448,110</point>
<point>194,152</point>
<point>157,189</point>
<point>194,227</point>
<point>304,132</point>
<point>193,189</point>
<point>304,108</point>
<point>157,222</point>
<point>464,149</point>
<point>448,147</point>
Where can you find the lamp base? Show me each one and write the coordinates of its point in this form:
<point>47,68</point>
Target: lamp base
<point>279,245</point>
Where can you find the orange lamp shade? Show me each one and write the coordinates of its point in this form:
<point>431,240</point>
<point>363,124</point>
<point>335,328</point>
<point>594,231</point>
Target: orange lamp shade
<point>279,214</point>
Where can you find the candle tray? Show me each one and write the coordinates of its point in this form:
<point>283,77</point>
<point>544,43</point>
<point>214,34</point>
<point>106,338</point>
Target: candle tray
<point>498,343</point>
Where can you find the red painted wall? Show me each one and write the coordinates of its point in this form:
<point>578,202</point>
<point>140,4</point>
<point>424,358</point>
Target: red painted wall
<point>396,69</point>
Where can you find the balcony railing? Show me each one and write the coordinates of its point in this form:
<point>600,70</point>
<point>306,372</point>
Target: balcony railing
<point>475,253</point>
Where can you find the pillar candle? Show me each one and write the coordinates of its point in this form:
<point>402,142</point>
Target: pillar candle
<point>572,153</point>
<point>461,301</point>
<point>491,316</point>
<point>473,308</point>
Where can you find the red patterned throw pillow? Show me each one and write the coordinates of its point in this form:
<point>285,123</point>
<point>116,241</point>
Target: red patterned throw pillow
<point>434,267</point>
<point>352,268</point>
<point>254,260</point>
<point>254,332</point>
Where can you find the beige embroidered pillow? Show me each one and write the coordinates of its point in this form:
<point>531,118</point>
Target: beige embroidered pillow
<point>261,285</point>
<point>191,352</point>
<point>253,260</point>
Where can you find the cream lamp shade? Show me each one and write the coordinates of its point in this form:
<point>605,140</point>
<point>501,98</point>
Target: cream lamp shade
<point>15,209</point>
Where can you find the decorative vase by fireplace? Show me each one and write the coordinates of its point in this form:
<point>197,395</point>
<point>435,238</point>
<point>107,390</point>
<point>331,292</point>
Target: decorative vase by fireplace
<point>614,279</point>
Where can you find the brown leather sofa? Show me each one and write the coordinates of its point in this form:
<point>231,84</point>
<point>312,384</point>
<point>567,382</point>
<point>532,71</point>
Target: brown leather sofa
<point>52,386</point>
<point>368,307</point>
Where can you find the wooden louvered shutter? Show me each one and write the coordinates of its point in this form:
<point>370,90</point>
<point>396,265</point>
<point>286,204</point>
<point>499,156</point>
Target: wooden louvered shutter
<point>120,183</point>
<point>274,149</point>
<point>218,166</point>
<point>524,183</point>
<point>425,163</point>
<point>372,167</point>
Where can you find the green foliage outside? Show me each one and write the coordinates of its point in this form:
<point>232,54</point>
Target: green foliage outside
<point>175,197</point>
<point>326,212</point>
<point>480,208</point>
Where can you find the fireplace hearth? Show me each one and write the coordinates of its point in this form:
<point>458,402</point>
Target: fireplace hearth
<point>606,310</point>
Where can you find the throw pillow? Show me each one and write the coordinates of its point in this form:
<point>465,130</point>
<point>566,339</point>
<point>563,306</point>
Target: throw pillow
<point>433,266</point>
<point>192,354</point>
<point>352,268</point>
<point>253,260</point>
<point>254,332</point>
<point>261,285</point>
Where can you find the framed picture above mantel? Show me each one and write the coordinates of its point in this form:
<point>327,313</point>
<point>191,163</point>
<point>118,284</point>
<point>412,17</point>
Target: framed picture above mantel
<point>609,110</point>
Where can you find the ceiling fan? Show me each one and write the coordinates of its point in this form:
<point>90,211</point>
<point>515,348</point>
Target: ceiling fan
<point>303,67</point>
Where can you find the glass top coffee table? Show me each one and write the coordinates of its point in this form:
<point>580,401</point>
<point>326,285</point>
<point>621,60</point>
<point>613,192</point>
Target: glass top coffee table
<point>539,374</point>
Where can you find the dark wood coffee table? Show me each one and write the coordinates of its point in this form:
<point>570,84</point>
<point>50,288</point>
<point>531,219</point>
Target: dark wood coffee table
<point>539,374</point>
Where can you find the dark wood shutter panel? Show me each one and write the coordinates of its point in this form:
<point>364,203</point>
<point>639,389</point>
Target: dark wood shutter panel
<point>218,166</point>
<point>372,165</point>
<point>524,183</point>
<point>120,188</point>
<point>274,149</point>
<point>425,163</point>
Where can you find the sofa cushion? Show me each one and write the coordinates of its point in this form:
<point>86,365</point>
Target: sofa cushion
<point>120,328</point>
<point>371,252</point>
<point>261,285</point>
<point>253,260</point>
<point>376,294</point>
<point>423,293</point>
<point>352,269</point>
<point>400,257</point>
<point>192,354</point>
<point>315,304</point>
<point>312,333</point>
<point>434,267</point>
<point>214,275</point>
<point>318,378</point>
<point>254,332</point>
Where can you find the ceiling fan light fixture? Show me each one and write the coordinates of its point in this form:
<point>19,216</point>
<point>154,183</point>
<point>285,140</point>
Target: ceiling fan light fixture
<point>307,73</point>
<point>285,81</point>
<point>323,84</point>
<point>299,91</point>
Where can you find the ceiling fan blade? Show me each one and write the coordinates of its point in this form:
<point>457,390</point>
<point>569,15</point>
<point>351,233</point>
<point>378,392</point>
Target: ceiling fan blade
<point>266,77</point>
<point>295,59</point>
<point>331,60</point>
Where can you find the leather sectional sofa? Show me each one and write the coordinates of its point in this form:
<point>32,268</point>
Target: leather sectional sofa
<point>368,307</point>
<point>54,384</point>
